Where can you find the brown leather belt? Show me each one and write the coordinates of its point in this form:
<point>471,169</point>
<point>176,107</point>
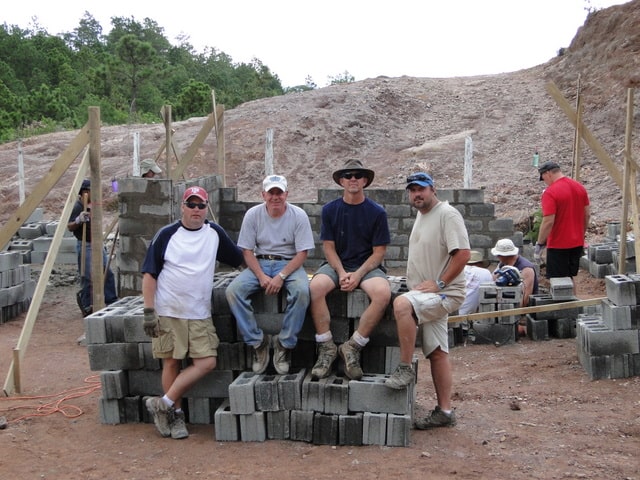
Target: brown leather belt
<point>271,257</point>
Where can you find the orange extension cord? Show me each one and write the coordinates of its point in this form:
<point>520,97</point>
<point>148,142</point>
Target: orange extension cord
<point>57,405</point>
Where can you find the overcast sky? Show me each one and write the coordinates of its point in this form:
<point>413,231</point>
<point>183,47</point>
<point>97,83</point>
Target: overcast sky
<point>367,38</point>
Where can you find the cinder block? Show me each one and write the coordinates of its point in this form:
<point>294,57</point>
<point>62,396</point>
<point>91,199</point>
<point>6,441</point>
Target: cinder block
<point>266,393</point>
<point>202,409</point>
<point>357,303</point>
<point>301,425</point>
<point>114,384</point>
<point>561,288</point>
<point>227,424</point>
<point>145,382</point>
<point>398,430</point>
<point>374,428</point>
<point>499,334</point>
<point>114,356</point>
<point>278,425</point>
<point>537,329</point>
<point>95,329</point>
<point>369,394</point>
<point>290,390</point>
<point>325,429</point>
<point>621,290</point>
<point>350,429</point>
<point>214,384</point>
<point>253,427</point>
<point>111,411</point>
<point>313,393</point>
<point>241,393</point>
<point>336,395</point>
<point>616,317</point>
<point>562,328</point>
<point>373,359</point>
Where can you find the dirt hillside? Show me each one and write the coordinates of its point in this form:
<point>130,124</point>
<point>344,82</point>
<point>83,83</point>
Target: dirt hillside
<point>399,125</point>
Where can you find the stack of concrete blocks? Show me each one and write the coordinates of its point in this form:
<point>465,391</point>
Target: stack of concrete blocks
<point>608,344</point>
<point>603,259</point>
<point>16,286</point>
<point>559,323</point>
<point>34,238</point>
<point>118,347</point>
<point>500,330</point>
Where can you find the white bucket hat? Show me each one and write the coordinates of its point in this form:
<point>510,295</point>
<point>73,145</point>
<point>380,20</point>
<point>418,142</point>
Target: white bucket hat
<point>504,248</point>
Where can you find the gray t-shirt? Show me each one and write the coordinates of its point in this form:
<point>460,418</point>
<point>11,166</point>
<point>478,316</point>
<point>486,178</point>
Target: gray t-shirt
<point>285,236</point>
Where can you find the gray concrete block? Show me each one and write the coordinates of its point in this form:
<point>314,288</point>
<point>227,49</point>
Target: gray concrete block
<point>132,409</point>
<point>599,340</point>
<point>486,333</point>
<point>145,382</point>
<point>278,425</point>
<point>392,359</point>
<point>95,329</point>
<point>149,362</point>
<point>562,328</point>
<point>357,303</point>
<point>232,356</point>
<point>114,384</point>
<point>213,385</point>
<point>226,424</point>
<point>241,393</point>
<point>301,425</point>
<point>621,290</point>
<point>350,429</point>
<point>374,428</point>
<point>266,393</point>
<point>253,427</point>
<point>616,317</point>
<point>111,411</point>
<point>398,430</point>
<point>370,394</point>
<point>373,358</point>
<point>336,395</point>
<point>325,429</point>
<point>202,409</point>
<point>290,390</point>
<point>537,329</point>
<point>313,393</point>
<point>561,288</point>
<point>114,356</point>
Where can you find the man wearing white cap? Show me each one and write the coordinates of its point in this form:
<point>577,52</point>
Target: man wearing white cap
<point>275,238</point>
<point>177,284</point>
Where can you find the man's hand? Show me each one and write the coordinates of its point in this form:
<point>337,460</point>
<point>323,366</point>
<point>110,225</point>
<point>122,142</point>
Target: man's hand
<point>150,323</point>
<point>84,217</point>
<point>537,252</point>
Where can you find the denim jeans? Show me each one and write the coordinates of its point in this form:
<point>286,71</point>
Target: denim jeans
<point>86,295</point>
<point>246,284</point>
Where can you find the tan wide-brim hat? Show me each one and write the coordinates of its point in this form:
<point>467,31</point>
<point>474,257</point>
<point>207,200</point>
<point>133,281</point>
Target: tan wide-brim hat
<point>353,165</point>
<point>476,258</point>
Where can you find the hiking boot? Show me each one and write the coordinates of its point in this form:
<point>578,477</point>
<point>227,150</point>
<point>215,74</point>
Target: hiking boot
<point>162,415</point>
<point>178,427</point>
<point>436,418</point>
<point>281,358</point>
<point>261,355</point>
<point>403,376</point>
<point>327,353</point>
<point>350,353</point>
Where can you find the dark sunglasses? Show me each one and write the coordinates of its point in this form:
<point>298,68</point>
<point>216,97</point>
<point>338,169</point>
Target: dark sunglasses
<point>418,177</point>
<point>349,175</point>
<point>192,205</point>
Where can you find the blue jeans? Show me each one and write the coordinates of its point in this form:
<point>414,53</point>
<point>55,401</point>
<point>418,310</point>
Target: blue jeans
<point>86,288</point>
<point>298,298</point>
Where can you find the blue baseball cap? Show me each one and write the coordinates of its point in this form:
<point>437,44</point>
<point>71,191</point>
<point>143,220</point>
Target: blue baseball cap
<point>420,178</point>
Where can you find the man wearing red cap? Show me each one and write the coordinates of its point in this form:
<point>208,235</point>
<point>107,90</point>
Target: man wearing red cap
<point>177,284</point>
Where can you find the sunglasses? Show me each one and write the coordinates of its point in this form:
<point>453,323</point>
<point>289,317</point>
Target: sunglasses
<point>192,205</point>
<point>419,177</point>
<point>350,175</point>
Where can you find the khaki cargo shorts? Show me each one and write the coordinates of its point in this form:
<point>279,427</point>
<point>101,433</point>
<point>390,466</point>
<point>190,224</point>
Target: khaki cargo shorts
<point>180,337</point>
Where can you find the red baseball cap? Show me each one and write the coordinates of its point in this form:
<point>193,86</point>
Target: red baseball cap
<point>199,192</point>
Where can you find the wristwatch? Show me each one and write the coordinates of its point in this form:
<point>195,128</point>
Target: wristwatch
<point>282,276</point>
<point>441,284</point>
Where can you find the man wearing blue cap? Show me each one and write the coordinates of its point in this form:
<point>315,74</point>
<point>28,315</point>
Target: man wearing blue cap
<point>438,253</point>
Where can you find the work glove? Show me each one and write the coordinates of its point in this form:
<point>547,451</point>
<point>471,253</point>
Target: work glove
<point>84,217</point>
<point>150,323</point>
<point>537,252</point>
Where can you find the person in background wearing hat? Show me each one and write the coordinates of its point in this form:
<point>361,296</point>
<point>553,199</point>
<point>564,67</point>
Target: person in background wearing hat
<point>475,274</point>
<point>438,253</point>
<point>149,168</point>
<point>177,283</point>
<point>355,234</point>
<point>508,254</point>
<point>565,218</point>
<point>275,238</point>
<point>80,225</point>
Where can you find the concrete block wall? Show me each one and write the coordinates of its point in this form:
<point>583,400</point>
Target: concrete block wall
<point>16,286</point>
